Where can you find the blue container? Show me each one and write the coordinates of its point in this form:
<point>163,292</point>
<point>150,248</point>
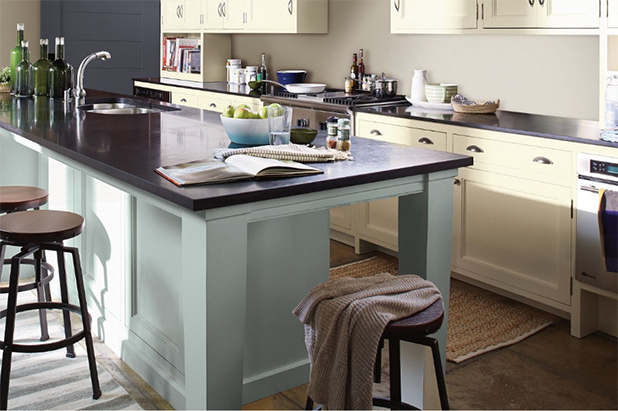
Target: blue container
<point>291,76</point>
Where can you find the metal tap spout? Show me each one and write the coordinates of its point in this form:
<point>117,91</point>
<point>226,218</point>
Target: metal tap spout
<point>80,92</point>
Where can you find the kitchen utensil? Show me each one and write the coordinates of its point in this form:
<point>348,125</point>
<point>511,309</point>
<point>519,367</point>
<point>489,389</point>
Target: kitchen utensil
<point>279,124</point>
<point>291,76</point>
<point>246,131</point>
<point>440,93</point>
<point>417,93</point>
<point>385,87</point>
<point>305,88</point>
<point>302,135</point>
<point>430,106</point>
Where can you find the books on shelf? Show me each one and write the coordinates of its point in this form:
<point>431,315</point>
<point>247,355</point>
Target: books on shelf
<point>181,55</point>
<point>234,168</point>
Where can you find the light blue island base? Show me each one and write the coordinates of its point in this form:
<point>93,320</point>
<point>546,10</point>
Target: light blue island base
<point>199,303</point>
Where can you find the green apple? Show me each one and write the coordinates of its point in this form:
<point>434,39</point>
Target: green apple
<point>229,111</point>
<point>276,108</point>
<point>243,106</point>
<point>263,112</point>
<point>243,112</point>
<point>257,116</point>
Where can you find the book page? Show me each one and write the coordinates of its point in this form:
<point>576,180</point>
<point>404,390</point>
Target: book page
<point>269,167</point>
<point>202,172</point>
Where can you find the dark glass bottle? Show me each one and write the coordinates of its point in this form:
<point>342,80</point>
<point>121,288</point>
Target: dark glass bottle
<point>59,72</point>
<point>354,72</point>
<point>41,71</point>
<point>16,54</point>
<point>264,73</point>
<point>361,69</point>
<point>24,84</point>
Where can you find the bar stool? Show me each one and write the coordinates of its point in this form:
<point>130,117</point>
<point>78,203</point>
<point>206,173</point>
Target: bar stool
<point>414,329</point>
<point>22,198</point>
<point>35,231</point>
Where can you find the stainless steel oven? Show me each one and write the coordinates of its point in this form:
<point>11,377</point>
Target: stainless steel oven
<point>595,173</point>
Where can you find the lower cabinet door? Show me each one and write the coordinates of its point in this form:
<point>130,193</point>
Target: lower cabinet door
<point>513,231</point>
<point>341,218</point>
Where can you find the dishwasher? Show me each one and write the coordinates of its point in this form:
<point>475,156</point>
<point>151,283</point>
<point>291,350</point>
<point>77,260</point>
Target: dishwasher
<point>595,173</point>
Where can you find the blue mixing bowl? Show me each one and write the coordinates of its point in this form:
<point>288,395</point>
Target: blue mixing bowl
<point>291,76</point>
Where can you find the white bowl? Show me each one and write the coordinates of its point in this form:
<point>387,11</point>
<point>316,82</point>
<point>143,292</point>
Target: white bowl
<point>246,131</point>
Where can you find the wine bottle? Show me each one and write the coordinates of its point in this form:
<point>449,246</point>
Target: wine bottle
<point>264,73</point>
<point>59,72</point>
<point>361,70</point>
<point>41,71</point>
<point>16,54</point>
<point>354,72</point>
<point>24,84</point>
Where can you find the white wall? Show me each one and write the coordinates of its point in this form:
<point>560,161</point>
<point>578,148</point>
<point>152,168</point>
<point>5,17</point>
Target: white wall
<point>554,75</point>
<point>19,11</point>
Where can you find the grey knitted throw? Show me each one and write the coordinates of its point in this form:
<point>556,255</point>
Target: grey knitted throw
<point>344,320</point>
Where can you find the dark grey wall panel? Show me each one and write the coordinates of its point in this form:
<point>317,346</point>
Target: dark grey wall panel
<point>128,29</point>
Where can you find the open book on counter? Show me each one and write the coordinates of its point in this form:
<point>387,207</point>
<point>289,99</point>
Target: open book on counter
<point>234,168</point>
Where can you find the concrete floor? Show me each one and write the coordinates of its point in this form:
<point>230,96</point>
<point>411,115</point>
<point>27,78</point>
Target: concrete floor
<point>549,370</point>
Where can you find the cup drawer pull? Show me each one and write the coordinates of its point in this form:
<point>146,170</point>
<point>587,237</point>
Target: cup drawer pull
<point>184,100</point>
<point>375,132</point>
<point>475,149</point>
<point>425,140</point>
<point>543,160</point>
<point>213,105</point>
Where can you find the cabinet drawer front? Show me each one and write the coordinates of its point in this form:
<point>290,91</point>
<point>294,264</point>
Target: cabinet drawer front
<point>183,99</point>
<point>212,103</point>
<point>538,160</point>
<point>410,136</point>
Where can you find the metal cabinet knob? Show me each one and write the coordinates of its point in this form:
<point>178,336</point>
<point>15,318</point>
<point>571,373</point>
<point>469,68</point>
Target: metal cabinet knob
<point>425,140</point>
<point>475,149</point>
<point>456,181</point>
<point>543,160</point>
<point>375,132</point>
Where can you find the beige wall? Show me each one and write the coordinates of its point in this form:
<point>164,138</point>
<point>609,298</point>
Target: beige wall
<point>11,13</point>
<point>554,75</point>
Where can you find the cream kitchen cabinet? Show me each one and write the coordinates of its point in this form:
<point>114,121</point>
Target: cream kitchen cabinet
<point>544,14</point>
<point>181,14</point>
<point>612,13</point>
<point>410,16</point>
<point>377,221</point>
<point>286,16</point>
<point>513,232</point>
<point>222,15</point>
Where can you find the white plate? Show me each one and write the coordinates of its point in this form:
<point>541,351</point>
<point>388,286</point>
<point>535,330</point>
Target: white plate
<point>305,88</point>
<point>433,106</point>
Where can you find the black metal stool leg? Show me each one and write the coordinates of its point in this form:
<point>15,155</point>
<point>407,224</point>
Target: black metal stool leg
<point>309,403</point>
<point>83,304</point>
<point>40,292</point>
<point>437,363</point>
<point>7,351</point>
<point>48,296</point>
<point>377,367</point>
<point>2,252</point>
<point>394,363</point>
<point>64,296</point>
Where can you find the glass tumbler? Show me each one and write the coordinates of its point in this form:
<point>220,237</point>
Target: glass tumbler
<point>279,124</point>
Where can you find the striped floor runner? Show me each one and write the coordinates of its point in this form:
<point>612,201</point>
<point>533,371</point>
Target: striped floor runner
<point>47,381</point>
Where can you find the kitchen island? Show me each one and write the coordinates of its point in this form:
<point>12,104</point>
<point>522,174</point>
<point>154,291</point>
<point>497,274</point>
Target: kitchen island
<point>194,287</point>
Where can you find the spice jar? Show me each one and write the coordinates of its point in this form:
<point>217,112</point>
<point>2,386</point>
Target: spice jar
<point>232,65</point>
<point>331,127</point>
<point>349,84</point>
<point>343,135</point>
<point>251,74</point>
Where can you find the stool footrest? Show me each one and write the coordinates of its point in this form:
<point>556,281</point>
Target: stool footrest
<point>33,285</point>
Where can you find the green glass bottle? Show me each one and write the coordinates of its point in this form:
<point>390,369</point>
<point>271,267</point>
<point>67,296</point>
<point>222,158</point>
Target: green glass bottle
<point>59,72</point>
<point>24,82</point>
<point>16,54</point>
<point>41,71</point>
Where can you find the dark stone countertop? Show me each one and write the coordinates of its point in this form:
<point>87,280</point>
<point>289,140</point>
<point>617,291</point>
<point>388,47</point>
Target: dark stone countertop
<point>559,128</point>
<point>214,86</point>
<point>130,147</point>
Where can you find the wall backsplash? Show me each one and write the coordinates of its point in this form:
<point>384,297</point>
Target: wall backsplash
<point>543,74</point>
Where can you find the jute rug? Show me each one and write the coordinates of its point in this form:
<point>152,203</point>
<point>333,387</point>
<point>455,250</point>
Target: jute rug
<point>477,323</point>
<point>47,381</point>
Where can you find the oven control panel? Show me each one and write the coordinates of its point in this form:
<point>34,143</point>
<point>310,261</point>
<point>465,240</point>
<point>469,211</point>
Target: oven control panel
<point>594,166</point>
<point>603,167</point>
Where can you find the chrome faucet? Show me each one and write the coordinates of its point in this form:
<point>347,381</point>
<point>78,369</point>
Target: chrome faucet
<point>80,92</point>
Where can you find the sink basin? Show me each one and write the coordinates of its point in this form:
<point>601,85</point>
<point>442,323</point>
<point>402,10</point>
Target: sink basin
<point>124,106</point>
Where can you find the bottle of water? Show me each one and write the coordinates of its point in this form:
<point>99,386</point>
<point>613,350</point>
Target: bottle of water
<point>611,103</point>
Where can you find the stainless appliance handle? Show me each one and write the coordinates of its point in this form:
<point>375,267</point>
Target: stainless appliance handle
<point>591,189</point>
<point>375,132</point>
<point>396,4</point>
<point>425,140</point>
<point>290,7</point>
<point>475,149</point>
<point>543,160</point>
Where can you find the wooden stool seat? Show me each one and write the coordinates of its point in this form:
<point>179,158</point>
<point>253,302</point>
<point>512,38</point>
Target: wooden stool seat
<point>19,198</point>
<point>40,226</point>
<point>422,323</point>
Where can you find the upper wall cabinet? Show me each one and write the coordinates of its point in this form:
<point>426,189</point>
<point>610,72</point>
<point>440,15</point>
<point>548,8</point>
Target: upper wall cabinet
<point>543,14</point>
<point>245,16</point>
<point>409,16</point>
<point>612,13</point>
